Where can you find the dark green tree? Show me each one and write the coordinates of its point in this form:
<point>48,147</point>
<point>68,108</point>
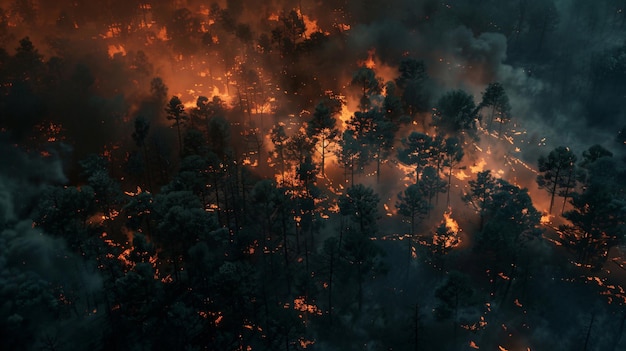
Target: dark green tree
<point>176,113</point>
<point>322,130</point>
<point>455,113</point>
<point>140,133</point>
<point>480,192</point>
<point>415,152</point>
<point>453,295</point>
<point>413,83</point>
<point>360,206</point>
<point>597,219</point>
<point>365,78</point>
<point>453,154</point>
<point>412,205</point>
<point>279,138</point>
<point>496,100</point>
<point>431,184</point>
<point>349,155</point>
<point>443,240</point>
<point>554,171</point>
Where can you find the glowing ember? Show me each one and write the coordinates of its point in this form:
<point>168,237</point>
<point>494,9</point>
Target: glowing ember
<point>450,222</point>
<point>545,218</point>
<point>116,50</point>
<point>478,166</point>
<point>461,175</point>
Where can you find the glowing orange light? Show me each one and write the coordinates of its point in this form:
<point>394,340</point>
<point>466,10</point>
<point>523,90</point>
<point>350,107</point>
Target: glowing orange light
<point>116,49</point>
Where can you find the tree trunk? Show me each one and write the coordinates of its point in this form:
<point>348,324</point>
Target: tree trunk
<point>330,288</point>
<point>593,316</point>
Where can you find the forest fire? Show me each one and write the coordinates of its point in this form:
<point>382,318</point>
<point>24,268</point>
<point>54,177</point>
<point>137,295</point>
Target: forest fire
<point>269,175</point>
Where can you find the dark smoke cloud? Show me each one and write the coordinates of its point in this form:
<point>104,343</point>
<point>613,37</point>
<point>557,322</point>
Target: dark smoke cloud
<point>45,288</point>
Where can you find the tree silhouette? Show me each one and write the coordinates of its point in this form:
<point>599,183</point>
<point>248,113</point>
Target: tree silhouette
<point>365,78</point>
<point>453,151</point>
<point>360,205</point>
<point>322,130</point>
<point>495,98</point>
<point>413,82</point>
<point>416,152</point>
<point>176,113</point>
<point>555,169</point>
<point>453,294</point>
<point>479,195</point>
<point>455,113</point>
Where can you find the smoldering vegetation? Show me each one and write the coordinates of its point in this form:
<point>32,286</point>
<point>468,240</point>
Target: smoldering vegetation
<point>336,175</point>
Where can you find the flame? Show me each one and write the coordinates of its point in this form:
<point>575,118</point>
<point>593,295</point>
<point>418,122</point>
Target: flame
<point>450,222</point>
<point>461,175</point>
<point>369,63</point>
<point>545,218</point>
<point>300,304</point>
<point>116,49</point>
<point>478,166</point>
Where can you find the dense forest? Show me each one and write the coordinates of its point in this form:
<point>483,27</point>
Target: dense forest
<point>322,175</point>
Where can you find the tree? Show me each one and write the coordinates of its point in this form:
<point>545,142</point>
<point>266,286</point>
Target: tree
<point>593,154</point>
<point>555,169</point>
<point>431,184</point>
<point>413,82</point>
<point>176,113</point>
<point>598,221</point>
<point>443,240</point>
<point>322,130</point>
<point>107,190</point>
<point>415,152</point>
<point>495,98</point>
<point>181,220</point>
<point>381,139</point>
<point>455,113</point>
<point>349,155</point>
<point>412,205</point>
<point>218,135</point>
<point>392,105</point>
<point>365,78</point>
<point>360,205</point>
<point>453,151</point>
<point>453,294</point>
<point>142,126</point>
<point>512,220</point>
<point>479,195</point>
<point>279,139</point>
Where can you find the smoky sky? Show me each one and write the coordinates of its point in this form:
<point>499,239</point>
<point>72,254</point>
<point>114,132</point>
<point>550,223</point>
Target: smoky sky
<point>541,52</point>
